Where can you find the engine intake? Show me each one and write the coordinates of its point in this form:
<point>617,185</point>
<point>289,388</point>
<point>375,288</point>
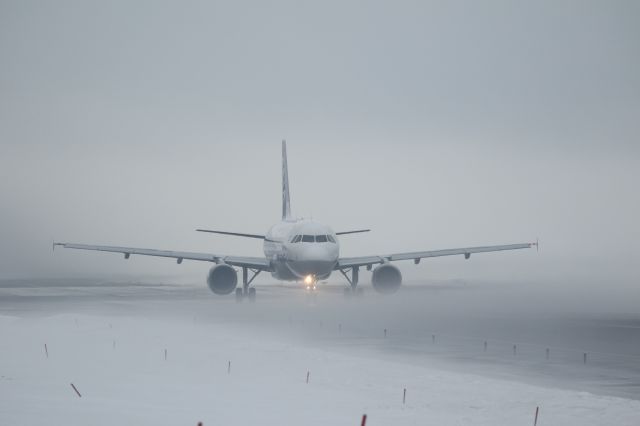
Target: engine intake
<point>222,279</point>
<point>386,279</point>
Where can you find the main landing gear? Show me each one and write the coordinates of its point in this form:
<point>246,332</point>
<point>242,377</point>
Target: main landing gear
<point>353,281</point>
<point>246,291</point>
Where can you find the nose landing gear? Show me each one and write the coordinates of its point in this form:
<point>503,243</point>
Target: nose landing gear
<point>310,283</point>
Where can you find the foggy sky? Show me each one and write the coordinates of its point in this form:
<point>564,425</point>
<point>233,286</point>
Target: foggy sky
<point>436,124</point>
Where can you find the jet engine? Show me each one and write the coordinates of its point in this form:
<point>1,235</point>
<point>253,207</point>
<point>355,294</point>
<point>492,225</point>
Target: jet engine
<point>222,279</point>
<point>386,279</point>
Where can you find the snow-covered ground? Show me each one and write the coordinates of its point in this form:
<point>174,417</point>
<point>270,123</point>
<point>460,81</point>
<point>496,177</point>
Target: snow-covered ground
<point>112,348</point>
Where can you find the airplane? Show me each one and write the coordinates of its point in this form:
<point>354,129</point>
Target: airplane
<point>300,250</point>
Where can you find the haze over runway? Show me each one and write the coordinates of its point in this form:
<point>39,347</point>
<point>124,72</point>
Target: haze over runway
<point>434,124</point>
<point>160,353</point>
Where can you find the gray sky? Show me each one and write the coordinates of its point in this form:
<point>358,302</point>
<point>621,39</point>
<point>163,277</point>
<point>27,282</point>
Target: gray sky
<point>436,124</point>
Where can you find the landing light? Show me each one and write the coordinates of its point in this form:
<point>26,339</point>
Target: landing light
<point>308,280</point>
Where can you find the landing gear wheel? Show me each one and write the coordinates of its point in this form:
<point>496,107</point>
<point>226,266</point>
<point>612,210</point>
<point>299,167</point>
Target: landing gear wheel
<point>239,295</point>
<point>252,294</point>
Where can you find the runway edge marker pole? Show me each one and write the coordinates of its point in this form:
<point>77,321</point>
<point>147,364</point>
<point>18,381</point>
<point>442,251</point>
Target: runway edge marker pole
<point>535,420</point>
<point>46,351</point>
<point>76,390</point>
<point>364,420</point>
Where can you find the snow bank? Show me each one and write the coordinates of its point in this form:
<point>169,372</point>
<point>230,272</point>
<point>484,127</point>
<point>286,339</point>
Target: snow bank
<point>118,365</point>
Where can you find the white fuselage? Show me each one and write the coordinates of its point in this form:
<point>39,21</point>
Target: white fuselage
<point>298,249</point>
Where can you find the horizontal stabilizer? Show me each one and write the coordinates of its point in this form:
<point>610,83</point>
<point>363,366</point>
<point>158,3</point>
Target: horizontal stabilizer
<point>236,234</point>
<point>353,232</point>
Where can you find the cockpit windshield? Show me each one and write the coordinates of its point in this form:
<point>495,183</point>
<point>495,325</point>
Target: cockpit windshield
<point>313,238</point>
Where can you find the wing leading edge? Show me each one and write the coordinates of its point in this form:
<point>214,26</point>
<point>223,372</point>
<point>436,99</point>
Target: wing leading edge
<point>242,261</point>
<point>348,262</point>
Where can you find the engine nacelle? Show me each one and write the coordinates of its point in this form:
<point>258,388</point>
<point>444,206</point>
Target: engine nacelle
<point>386,279</point>
<point>222,279</point>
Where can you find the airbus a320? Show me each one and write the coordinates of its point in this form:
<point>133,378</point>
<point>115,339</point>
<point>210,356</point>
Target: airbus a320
<point>300,250</point>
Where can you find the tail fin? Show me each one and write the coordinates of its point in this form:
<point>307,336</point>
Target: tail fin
<point>286,203</point>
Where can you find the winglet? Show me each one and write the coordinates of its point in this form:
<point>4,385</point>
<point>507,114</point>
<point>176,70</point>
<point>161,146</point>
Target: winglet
<point>537,244</point>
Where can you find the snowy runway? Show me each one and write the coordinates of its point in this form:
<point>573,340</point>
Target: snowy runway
<point>110,343</point>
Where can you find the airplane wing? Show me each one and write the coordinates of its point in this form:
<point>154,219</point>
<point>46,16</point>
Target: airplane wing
<point>348,262</point>
<point>259,263</point>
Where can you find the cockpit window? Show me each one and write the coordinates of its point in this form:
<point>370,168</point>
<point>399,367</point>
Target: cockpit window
<point>312,238</point>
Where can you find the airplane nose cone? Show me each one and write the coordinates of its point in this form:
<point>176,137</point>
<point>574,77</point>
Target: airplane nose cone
<point>314,260</point>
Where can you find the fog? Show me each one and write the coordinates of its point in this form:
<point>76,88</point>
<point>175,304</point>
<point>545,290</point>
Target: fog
<point>438,125</point>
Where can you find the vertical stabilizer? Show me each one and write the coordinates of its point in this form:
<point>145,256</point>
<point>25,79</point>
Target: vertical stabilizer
<point>286,204</point>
